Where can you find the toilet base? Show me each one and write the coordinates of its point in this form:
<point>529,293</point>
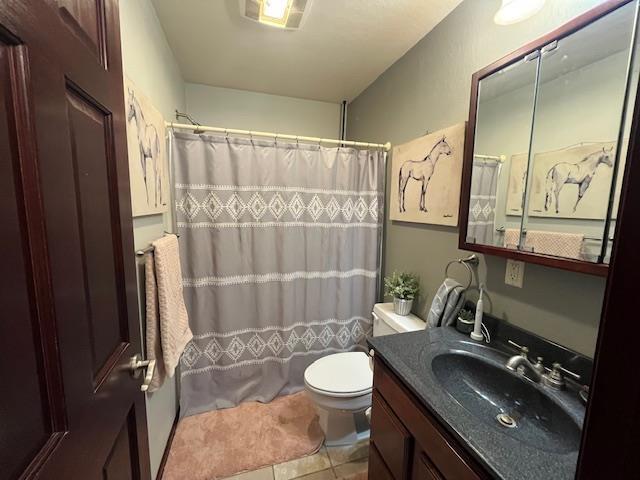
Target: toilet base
<point>342,427</point>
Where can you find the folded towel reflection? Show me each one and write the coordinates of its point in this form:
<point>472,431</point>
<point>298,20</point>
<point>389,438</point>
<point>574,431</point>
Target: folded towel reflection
<point>168,329</point>
<point>446,304</point>
<point>512,238</point>
<point>558,244</point>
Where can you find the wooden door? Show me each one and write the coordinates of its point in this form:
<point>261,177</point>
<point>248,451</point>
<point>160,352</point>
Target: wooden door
<point>69,408</point>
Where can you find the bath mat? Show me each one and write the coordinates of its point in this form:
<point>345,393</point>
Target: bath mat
<point>250,436</point>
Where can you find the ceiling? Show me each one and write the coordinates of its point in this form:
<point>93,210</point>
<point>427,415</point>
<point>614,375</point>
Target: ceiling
<point>342,47</point>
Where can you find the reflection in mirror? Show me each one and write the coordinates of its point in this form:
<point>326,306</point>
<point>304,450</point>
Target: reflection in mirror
<point>505,101</point>
<point>634,77</point>
<point>576,134</point>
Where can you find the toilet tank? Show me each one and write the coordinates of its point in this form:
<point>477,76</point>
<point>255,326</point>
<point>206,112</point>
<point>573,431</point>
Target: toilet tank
<point>386,322</point>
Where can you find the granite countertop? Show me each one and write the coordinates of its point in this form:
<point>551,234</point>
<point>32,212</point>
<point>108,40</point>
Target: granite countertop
<point>409,355</point>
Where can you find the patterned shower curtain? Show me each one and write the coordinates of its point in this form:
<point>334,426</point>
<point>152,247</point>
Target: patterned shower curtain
<point>279,245</point>
<point>482,202</point>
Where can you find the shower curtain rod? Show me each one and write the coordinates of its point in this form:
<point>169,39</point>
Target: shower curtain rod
<point>250,133</point>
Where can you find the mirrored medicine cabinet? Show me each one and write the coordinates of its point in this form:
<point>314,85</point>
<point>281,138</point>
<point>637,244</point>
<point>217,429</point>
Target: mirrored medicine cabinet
<point>547,141</point>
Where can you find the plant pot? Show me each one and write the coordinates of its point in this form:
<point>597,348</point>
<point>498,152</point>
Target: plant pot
<point>465,326</point>
<point>402,307</point>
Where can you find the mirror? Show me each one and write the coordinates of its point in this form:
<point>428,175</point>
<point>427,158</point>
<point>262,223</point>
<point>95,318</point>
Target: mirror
<point>550,132</point>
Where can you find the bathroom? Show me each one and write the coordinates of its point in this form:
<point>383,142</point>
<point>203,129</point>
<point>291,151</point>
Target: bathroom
<point>292,362</point>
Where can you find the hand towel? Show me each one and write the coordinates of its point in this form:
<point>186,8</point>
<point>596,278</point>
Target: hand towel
<point>154,349</point>
<point>559,244</point>
<point>174,322</point>
<point>511,238</point>
<point>446,304</point>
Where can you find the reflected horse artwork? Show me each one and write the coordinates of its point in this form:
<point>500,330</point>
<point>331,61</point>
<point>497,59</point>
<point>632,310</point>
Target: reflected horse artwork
<point>422,171</point>
<point>580,174</point>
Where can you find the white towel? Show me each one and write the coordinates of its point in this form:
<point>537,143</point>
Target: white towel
<point>172,322</point>
<point>558,244</point>
<point>154,349</point>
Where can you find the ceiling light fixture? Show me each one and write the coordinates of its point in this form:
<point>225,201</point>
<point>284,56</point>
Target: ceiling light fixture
<point>275,12</point>
<point>283,14</point>
<point>514,11</point>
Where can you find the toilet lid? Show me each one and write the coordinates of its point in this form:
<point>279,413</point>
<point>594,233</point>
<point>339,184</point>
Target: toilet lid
<point>341,373</point>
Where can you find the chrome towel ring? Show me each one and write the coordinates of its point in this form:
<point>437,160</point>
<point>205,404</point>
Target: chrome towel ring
<point>467,262</point>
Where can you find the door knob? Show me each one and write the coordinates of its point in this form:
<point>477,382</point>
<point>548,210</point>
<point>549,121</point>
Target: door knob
<point>136,364</point>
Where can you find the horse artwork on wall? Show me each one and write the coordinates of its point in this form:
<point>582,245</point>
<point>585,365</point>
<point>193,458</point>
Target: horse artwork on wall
<point>571,182</point>
<point>425,178</point>
<point>147,154</point>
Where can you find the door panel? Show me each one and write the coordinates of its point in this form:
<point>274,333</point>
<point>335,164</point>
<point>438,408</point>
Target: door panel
<point>85,18</point>
<point>68,282</point>
<point>92,153</point>
<point>25,427</point>
<point>119,464</point>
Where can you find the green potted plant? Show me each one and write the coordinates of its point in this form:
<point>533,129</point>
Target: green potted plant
<point>466,319</point>
<point>403,287</point>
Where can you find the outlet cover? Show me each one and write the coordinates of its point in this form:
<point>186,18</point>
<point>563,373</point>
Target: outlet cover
<point>514,274</point>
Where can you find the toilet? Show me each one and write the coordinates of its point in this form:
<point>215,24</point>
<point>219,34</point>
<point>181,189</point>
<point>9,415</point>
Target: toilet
<point>340,384</point>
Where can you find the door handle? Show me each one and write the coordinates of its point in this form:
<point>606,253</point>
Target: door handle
<point>136,364</point>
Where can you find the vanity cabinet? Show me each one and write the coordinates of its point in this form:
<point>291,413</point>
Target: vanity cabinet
<point>407,442</point>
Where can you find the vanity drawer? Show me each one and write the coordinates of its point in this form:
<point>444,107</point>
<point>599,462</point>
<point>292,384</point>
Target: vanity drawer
<point>449,459</point>
<point>377,469</point>
<point>390,437</point>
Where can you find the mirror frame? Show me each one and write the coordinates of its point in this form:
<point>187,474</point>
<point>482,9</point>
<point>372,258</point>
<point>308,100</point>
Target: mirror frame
<point>565,30</point>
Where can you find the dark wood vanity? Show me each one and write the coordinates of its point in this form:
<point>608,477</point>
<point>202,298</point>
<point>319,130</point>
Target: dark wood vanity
<point>407,441</point>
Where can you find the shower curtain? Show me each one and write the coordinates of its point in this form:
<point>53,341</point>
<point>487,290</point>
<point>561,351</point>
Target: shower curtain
<point>279,244</point>
<point>482,203</point>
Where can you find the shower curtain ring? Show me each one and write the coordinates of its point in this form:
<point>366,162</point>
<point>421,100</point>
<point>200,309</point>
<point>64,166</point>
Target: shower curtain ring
<point>251,138</point>
<point>275,139</point>
<point>226,134</point>
<point>297,142</point>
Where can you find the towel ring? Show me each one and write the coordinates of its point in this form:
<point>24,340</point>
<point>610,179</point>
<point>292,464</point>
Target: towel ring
<point>467,262</point>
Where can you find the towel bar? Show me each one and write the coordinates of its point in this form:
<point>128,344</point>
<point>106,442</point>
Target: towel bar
<point>144,251</point>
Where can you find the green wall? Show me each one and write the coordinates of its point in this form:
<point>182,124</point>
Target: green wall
<point>149,62</point>
<point>428,89</point>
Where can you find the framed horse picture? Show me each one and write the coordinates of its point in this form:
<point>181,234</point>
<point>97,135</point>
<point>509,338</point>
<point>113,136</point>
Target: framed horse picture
<point>425,178</point>
<point>148,165</point>
<point>572,182</point>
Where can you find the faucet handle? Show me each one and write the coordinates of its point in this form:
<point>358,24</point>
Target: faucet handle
<point>557,366</point>
<point>524,351</point>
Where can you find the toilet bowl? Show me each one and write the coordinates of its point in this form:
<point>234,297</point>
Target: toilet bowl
<point>340,384</point>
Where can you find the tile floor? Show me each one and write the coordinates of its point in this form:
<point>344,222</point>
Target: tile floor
<point>330,463</point>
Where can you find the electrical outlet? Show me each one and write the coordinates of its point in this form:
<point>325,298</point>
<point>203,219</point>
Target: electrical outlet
<point>514,274</point>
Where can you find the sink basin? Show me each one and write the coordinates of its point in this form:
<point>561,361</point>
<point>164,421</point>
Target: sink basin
<point>510,403</point>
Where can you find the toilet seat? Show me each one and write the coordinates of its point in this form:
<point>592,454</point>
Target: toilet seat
<point>345,374</point>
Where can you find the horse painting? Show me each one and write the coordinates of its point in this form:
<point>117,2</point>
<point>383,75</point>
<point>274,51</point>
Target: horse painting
<point>149,150</point>
<point>580,174</point>
<point>422,171</point>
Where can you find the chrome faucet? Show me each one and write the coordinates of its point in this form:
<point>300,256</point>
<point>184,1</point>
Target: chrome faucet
<point>522,362</point>
<point>551,377</point>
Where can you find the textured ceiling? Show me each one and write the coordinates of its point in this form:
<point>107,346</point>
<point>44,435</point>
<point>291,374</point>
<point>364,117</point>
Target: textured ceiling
<point>342,47</point>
